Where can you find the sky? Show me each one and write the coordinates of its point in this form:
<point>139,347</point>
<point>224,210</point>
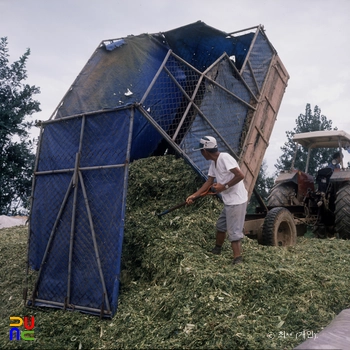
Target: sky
<point>310,36</point>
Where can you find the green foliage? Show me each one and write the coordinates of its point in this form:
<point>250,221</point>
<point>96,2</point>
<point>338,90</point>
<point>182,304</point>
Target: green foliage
<point>319,157</point>
<point>16,157</point>
<point>174,293</point>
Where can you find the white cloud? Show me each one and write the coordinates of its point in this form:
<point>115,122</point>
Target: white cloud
<point>328,93</point>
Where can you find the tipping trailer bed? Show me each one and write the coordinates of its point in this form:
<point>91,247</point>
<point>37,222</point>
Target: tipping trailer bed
<point>139,96</point>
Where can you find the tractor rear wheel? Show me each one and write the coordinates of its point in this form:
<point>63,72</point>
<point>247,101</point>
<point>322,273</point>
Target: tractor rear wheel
<point>279,228</point>
<point>281,195</point>
<point>342,212</point>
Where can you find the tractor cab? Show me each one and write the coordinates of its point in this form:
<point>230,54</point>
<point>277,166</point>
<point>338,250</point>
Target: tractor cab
<point>323,139</point>
<point>322,202</point>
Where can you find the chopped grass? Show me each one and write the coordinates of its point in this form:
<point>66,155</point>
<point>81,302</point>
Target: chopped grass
<point>177,295</point>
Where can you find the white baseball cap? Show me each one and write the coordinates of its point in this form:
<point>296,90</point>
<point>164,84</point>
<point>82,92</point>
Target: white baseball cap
<point>206,142</point>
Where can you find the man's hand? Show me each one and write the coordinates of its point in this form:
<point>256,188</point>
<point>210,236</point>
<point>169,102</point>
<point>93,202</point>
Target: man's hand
<point>190,199</point>
<point>218,187</point>
<point>202,191</point>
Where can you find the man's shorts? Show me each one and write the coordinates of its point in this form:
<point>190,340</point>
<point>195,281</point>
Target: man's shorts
<point>231,220</point>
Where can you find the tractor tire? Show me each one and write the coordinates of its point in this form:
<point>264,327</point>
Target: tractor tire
<point>279,228</point>
<point>280,195</point>
<point>342,212</point>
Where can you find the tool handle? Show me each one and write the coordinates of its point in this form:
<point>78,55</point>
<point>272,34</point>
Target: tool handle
<point>183,204</point>
<point>207,192</point>
<point>173,208</point>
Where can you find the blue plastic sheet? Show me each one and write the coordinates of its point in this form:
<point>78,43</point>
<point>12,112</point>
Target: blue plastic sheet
<point>135,97</point>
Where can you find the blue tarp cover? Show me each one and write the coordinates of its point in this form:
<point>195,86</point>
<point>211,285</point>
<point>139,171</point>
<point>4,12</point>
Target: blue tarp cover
<point>135,97</point>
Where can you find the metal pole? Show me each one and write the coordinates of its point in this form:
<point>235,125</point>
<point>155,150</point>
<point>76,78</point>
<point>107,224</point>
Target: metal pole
<point>187,108</point>
<point>250,48</point>
<point>213,81</point>
<point>294,157</point>
<point>231,93</point>
<point>74,307</point>
<point>308,159</point>
<point>244,30</point>
<point>155,77</point>
<point>234,154</point>
<point>242,80</point>
<point>159,129</point>
<point>253,75</point>
<point>341,153</point>
<point>72,235</point>
<point>107,110</point>
<point>72,228</point>
<point>93,235</point>
<point>59,171</point>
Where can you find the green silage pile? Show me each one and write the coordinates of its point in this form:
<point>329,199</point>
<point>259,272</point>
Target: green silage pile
<point>153,247</point>
<point>175,294</point>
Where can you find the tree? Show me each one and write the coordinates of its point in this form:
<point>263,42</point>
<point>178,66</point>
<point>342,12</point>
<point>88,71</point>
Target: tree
<point>16,149</point>
<point>319,157</point>
<point>263,185</point>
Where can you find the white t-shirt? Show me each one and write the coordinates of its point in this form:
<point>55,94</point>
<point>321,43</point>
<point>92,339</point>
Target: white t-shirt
<point>236,194</point>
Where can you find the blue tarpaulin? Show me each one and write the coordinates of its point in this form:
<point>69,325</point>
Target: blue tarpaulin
<point>136,96</point>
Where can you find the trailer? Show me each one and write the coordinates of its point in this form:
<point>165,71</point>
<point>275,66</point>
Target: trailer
<point>136,97</point>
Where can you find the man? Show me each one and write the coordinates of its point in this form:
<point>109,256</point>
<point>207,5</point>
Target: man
<point>336,161</point>
<point>228,175</point>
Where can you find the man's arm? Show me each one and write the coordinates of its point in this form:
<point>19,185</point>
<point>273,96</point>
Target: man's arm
<point>207,184</point>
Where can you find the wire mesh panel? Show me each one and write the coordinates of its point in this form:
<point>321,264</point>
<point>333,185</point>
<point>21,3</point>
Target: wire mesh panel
<point>215,102</point>
<point>76,229</point>
<point>234,98</point>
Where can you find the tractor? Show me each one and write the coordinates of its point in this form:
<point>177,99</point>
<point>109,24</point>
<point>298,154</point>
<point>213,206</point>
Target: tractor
<point>298,200</point>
